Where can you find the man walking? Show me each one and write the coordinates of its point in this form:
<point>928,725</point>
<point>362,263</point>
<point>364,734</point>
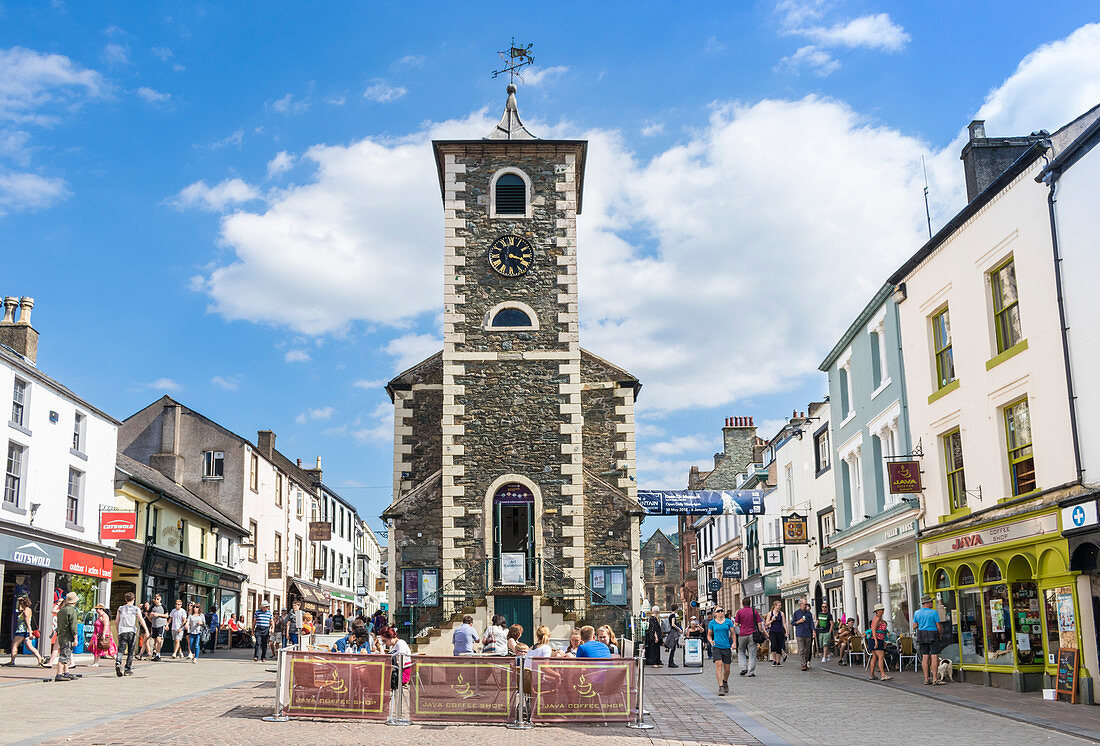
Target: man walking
<point>178,619</point>
<point>803,621</point>
<point>675,632</point>
<point>68,619</point>
<point>748,622</point>
<point>261,628</point>
<point>292,623</point>
<point>127,619</point>
<point>826,625</point>
<point>927,624</point>
<point>213,625</point>
<point>465,636</point>
<point>338,621</point>
<point>156,635</point>
<point>720,637</point>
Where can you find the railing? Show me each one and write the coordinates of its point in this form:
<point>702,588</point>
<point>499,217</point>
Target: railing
<point>417,621</point>
<point>499,576</point>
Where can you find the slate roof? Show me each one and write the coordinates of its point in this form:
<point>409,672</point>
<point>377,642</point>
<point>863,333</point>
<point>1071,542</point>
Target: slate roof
<point>153,480</point>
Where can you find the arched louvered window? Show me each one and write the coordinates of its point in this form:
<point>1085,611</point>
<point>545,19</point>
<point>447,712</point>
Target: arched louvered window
<point>511,317</point>
<point>511,195</point>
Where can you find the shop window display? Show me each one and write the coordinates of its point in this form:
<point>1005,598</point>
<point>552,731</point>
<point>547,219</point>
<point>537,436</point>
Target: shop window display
<point>1061,621</point>
<point>971,639</point>
<point>1027,623</point>
<point>998,627</point>
<point>950,614</point>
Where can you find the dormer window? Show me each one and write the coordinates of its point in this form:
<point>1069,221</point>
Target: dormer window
<point>510,198</point>
<point>511,316</point>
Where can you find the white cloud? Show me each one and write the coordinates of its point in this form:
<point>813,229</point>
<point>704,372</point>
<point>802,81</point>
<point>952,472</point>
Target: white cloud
<point>377,427</point>
<point>31,82</point>
<point>115,54</point>
<point>381,92</point>
<point>315,415</point>
<point>151,96</point>
<point>652,129</point>
<point>336,100</point>
<point>280,164</point>
<point>369,385</point>
<point>162,53</point>
<point>288,105</point>
<point>215,198</point>
<point>819,62</point>
<point>162,384</point>
<point>229,383</point>
<point>536,76</point>
<point>26,191</point>
<point>412,60</point>
<point>870,32</point>
<point>296,356</point>
<point>410,349</point>
<point>234,139</point>
<point>682,444</point>
<point>767,229</point>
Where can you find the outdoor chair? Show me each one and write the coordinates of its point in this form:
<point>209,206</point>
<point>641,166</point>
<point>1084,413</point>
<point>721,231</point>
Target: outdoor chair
<point>906,649</point>
<point>856,647</point>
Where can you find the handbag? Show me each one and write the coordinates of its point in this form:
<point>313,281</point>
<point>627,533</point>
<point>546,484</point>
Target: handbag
<point>757,636</point>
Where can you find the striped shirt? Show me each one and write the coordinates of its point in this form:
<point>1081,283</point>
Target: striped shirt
<point>263,619</point>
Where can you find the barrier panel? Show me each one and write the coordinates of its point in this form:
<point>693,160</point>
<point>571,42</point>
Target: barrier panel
<point>584,690</point>
<point>462,689</point>
<point>336,685</point>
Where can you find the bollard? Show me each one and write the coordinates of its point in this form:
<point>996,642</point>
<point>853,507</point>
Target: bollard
<point>395,717</point>
<point>278,717</point>
<point>640,723</point>
<point>521,723</point>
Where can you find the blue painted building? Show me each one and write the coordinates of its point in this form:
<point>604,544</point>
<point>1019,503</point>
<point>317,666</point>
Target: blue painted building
<point>875,531</point>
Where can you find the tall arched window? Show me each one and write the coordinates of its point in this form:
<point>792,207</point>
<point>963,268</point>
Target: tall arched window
<point>659,568</point>
<point>511,195</point>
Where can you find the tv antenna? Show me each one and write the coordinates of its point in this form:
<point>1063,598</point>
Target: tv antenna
<point>514,58</point>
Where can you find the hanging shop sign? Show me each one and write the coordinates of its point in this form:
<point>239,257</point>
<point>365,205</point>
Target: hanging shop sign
<point>1024,529</point>
<point>274,570</point>
<point>773,556</point>
<point>752,587</point>
<point>794,529</point>
<point>1079,516</point>
<point>731,568</point>
<point>904,477</point>
<point>118,524</point>
<point>130,553</point>
<point>702,502</point>
<point>320,531</point>
<point>714,585</point>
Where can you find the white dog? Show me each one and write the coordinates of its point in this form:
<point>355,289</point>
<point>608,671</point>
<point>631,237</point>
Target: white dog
<point>947,671</point>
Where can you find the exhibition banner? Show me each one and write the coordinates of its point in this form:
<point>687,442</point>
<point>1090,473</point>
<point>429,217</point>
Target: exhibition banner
<point>702,502</point>
<point>570,690</point>
<point>339,685</point>
<point>464,689</point>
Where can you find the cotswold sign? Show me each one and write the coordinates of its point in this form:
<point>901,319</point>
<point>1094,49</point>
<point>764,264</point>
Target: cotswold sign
<point>985,537</point>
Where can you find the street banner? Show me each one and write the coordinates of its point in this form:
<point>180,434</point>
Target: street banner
<point>575,691</point>
<point>118,524</point>
<point>464,689</point>
<point>904,477</point>
<point>702,502</point>
<point>338,685</point>
<point>794,529</point>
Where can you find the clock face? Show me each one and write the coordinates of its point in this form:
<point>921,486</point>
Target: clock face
<point>511,256</point>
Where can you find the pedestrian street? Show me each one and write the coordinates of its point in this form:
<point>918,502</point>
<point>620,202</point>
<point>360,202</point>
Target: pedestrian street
<point>223,699</point>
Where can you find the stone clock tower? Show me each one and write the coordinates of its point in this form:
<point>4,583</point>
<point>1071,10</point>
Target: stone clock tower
<point>514,487</point>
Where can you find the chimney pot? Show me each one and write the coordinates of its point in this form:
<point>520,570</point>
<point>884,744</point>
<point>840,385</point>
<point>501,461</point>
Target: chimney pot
<point>977,129</point>
<point>318,462</point>
<point>25,306</point>
<point>750,422</point>
<point>10,304</point>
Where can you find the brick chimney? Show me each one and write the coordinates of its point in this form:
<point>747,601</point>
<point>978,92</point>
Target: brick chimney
<point>737,439</point>
<point>315,472</point>
<point>168,461</point>
<point>265,443</point>
<point>986,158</point>
<point>18,334</point>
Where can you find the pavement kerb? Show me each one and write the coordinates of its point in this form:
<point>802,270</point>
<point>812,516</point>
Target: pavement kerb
<point>931,693</point>
<point>75,727</point>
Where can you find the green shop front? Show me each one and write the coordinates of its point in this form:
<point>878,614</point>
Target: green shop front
<point>1005,590</point>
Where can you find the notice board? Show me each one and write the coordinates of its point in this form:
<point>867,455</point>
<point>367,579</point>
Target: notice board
<point>1067,674</point>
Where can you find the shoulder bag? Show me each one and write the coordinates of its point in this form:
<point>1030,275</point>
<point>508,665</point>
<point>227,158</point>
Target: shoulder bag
<point>757,636</point>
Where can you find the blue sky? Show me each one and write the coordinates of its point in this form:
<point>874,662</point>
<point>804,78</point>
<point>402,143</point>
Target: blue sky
<point>235,204</point>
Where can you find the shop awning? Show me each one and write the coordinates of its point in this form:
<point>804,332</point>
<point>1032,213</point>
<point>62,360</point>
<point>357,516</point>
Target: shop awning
<point>310,594</point>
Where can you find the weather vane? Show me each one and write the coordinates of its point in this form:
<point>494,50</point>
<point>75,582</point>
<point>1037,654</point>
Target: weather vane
<point>514,58</point>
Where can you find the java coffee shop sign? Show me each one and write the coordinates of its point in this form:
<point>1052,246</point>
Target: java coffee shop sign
<point>904,477</point>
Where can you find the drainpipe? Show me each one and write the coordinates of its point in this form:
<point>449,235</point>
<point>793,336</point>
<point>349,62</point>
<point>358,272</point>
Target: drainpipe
<point>1051,180</point>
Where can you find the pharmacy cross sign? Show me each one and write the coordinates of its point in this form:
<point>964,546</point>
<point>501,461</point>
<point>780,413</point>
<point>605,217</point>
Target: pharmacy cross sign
<point>514,58</point>
<point>1078,516</point>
